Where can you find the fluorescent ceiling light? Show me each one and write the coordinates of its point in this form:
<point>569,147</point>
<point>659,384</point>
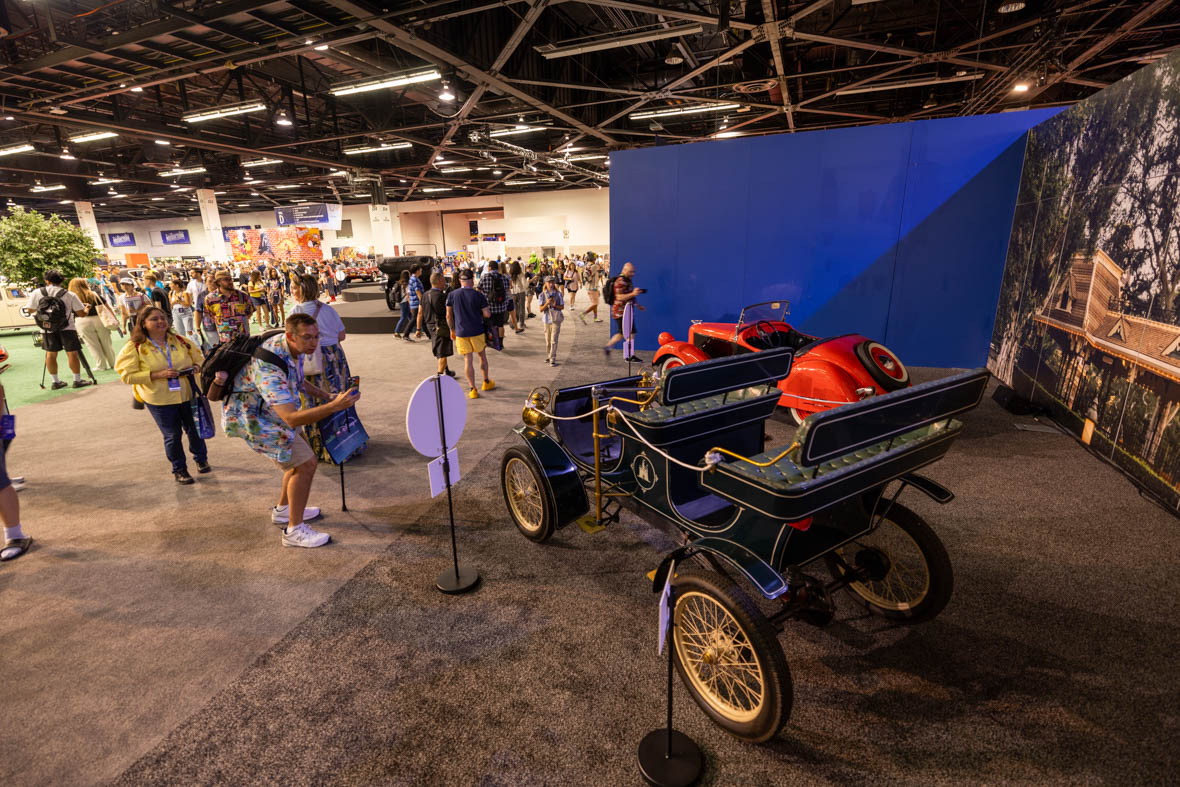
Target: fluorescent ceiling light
<point>435,188</point>
<point>727,134</point>
<point>178,172</point>
<point>687,109</point>
<point>137,90</point>
<point>519,182</point>
<point>377,148</point>
<point>1010,8</point>
<point>321,48</point>
<point>119,196</point>
<point>15,149</point>
<point>201,115</point>
<point>614,40</point>
<point>287,186</point>
<point>157,199</point>
<point>163,142</point>
<point>908,83</point>
<point>1020,87</point>
<point>394,80</point>
<point>449,170</point>
<point>219,192</point>
<point>58,187</point>
<point>507,132</point>
<point>65,202</point>
<point>591,157</point>
<point>337,173</point>
<point>261,162</point>
<point>105,181</point>
<point>93,136</point>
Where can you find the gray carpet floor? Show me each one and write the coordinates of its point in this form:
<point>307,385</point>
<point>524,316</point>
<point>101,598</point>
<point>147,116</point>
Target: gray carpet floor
<point>1055,661</point>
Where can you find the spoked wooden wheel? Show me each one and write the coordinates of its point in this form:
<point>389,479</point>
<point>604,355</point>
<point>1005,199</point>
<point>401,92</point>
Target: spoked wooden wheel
<point>729,657</point>
<point>526,495</point>
<point>912,579</point>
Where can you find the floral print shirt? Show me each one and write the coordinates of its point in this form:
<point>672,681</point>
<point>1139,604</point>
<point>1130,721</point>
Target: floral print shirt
<point>230,313</point>
<point>249,413</point>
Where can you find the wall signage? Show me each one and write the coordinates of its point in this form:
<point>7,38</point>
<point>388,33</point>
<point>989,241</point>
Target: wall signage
<point>121,239</point>
<point>174,236</point>
<point>320,214</point>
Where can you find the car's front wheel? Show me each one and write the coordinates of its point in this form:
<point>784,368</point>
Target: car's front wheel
<point>669,363</point>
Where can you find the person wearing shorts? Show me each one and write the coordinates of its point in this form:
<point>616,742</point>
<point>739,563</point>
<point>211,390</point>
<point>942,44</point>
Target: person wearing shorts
<point>433,313</point>
<point>467,308</point>
<point>264,411</point>
<point>16,543</point>
<point>66,339</point>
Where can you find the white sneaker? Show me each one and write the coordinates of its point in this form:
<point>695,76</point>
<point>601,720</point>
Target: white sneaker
<point>303,536</point>
<point>310,514</point>
<point>18,482</point>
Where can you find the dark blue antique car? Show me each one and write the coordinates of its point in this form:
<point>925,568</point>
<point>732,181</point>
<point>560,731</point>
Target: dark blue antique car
<point>688,449</point>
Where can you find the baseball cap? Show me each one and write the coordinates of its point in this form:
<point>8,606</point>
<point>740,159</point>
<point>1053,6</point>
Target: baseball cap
<point>125,280</point>
<point>550,278</point>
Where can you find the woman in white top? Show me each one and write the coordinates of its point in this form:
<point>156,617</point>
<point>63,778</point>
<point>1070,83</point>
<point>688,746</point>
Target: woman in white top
<point>327,369</point>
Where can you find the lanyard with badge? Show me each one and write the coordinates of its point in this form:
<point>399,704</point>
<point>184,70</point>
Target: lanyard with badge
<point>166,350</point>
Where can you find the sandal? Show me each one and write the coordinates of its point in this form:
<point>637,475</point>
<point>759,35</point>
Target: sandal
<point>20,544</point>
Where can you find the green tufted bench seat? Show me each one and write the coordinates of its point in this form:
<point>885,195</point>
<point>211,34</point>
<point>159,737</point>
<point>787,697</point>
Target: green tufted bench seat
<point>659,413</point>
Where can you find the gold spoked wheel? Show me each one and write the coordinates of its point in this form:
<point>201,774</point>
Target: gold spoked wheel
<point>917,581</point>
<point>729,656</point>
<point>718,657</point>
<point>527,499</point>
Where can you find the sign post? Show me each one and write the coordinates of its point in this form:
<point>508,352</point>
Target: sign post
<point>435,419</point>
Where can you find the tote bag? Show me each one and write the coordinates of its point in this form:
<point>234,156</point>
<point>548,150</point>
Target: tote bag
<point>314,363</point>
<point>203,416</point>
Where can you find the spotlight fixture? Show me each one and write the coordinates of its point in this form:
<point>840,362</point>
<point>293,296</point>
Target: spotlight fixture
<point>282,119</point>
<point>179,172</point>
<point>39,188</point>
<point>687,109</point>
<point>93,136</point>
<point>202,115</point>
<point>356,151</point>
<point>446,94</point>
<point>394,80</point>
<point>15,149</point>
<point>673,59</point>
<point>66,154</point>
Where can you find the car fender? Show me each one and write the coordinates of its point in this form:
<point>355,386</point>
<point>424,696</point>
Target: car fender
<point>689,353</point>
<point>820,379</point>
<point>761,574</point>
<point>566,492</point>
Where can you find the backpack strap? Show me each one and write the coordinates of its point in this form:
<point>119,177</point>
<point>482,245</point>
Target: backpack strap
<point>267,356</point>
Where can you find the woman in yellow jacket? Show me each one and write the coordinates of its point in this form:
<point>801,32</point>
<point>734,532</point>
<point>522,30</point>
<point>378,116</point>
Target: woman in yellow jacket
<point>155,361</point>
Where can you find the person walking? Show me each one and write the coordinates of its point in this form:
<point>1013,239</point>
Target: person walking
<point>467,308</point>
<point>229,308</point>
<point>401,296</point>
<point>520,286</point>
<point>328,372</point>
<point>91,328</point>
<point>160,366</point>
<point>572,283</point>
<point>274,297</point>
<point>625,292</point>
<point>256,289</point>
<point>593,287</point>
<point>497,289</point>
<point>265,412</point>
<point>63,336</point>
<point>552,314</point>
<point>182,312</point>
<point>414,290</point>
<point>130,302</point>
<point>197,289</point>
<point>433,312</point>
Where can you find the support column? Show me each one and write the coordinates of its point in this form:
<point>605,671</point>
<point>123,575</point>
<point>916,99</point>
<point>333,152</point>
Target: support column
<point>88,223</point>
<point>386,233</point>
<point>211,218</point>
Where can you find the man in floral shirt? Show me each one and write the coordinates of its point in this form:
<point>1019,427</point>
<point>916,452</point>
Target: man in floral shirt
<point>264,411</point>
<point>229,308</point>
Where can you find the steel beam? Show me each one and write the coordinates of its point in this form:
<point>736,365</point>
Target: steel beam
<point>671,13</point>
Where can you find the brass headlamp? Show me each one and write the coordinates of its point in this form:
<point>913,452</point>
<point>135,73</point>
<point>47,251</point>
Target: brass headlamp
<point>535,413</point>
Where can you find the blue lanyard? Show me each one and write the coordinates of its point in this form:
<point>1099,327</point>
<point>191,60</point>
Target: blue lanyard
<point>166,351</point>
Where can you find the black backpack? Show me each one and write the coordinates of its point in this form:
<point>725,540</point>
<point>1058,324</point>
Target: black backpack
<point>499,294</point>
<point>608,291</point>
<point>233,355</point>
<point>51,315</point>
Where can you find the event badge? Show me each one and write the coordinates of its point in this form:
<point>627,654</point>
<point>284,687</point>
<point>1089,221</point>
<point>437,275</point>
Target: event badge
<point>7,426</point>
<point>173,383</point>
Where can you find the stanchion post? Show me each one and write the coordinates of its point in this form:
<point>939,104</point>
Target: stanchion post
<point>462,579</point>
<point>343,502</point>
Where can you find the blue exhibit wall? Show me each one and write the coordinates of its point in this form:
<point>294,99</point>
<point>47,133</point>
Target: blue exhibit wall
<point>898,232</point>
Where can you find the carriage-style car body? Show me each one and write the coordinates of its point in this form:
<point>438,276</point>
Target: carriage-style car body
<point>826,373</point>
<point>689,452</point>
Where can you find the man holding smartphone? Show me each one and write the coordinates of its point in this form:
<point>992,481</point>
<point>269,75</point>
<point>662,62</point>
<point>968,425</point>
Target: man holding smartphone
<point>625,292</point>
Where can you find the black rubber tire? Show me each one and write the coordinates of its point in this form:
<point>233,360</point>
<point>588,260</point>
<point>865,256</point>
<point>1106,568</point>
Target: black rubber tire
<point>775,674</point>
<point>941,575</point>
<point>668,362</point>
<point>878,375</point>
<point>544,529</point>
<point>389,300</point>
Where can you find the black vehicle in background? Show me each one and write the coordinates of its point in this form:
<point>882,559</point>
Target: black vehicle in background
<point>392,267</point>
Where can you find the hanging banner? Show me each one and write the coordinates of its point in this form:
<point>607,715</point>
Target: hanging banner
<point>86,221</point>
<point>384,232</point>
<point>225,231</point>
<point>323,215</point>
<point>174,236</point>
<point>121,239</point>
<point>211,218</point>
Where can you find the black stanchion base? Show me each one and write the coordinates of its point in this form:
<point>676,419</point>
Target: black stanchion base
<point>467,580</point>
<point>683,768</point>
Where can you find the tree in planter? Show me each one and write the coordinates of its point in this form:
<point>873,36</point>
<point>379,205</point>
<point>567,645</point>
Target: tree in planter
<point>31,243</point>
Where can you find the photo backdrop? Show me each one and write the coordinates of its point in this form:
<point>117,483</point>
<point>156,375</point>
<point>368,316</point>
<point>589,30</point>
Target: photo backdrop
<point>1088,322</point>
<point>896,231</point>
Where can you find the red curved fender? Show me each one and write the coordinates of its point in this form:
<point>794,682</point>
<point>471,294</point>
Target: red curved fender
<point>686,352</point>
<point>820,379</point>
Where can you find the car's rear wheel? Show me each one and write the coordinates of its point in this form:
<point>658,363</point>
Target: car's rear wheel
<point>669,363</point>
<point>884,367</point>
<point>796,417</point>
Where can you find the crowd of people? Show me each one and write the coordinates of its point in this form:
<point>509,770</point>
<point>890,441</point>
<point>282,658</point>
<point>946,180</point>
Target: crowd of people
<point>290,380</point>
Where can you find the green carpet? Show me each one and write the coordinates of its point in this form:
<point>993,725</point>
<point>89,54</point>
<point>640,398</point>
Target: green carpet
<point>22,380</point>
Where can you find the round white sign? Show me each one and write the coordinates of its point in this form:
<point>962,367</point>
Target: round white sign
<point>422,415</point>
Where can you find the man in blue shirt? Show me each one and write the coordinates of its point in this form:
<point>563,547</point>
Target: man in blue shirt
<point>414,292</point>
<point>467,308</point>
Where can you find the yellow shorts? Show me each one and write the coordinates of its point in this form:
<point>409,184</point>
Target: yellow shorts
<point>465,345</point>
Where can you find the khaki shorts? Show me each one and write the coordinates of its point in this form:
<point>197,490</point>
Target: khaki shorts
<point>300,453</point>
<point>465,345</point>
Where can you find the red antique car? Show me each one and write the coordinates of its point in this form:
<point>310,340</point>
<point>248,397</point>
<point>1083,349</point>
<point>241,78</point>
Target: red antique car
<point>827,373</point>
<point>362,271</point>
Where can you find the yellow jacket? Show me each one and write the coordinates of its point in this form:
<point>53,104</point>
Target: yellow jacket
<point>136,364</point>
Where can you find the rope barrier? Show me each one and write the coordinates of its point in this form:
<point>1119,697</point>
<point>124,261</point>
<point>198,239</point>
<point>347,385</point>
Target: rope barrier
<point>547,414</point>
<point>669,457</point>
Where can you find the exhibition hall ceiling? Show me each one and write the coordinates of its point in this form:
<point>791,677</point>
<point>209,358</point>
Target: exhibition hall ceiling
<point>135,104</point>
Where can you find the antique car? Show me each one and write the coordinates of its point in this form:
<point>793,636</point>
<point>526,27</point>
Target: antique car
<point>686,451</point>
<point>364,272</point>
<point>827,372</point>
